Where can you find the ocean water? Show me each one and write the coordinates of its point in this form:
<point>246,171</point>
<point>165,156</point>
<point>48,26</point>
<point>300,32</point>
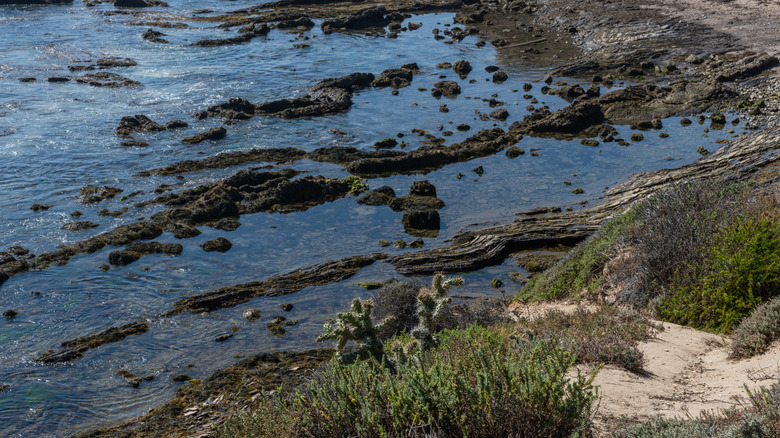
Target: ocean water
<point>56,138</point>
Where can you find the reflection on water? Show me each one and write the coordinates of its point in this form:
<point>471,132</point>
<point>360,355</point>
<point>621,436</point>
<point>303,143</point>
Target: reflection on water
<point>58,137</point>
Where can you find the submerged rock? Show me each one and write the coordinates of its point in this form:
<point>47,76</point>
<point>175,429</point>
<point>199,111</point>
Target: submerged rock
<point>378,196</point>
<point>278,285</point>
<point>211,134</point>
<point>220,244</point>
<point>421,223</point>
<point>137,123</point>
<point>73,349</point>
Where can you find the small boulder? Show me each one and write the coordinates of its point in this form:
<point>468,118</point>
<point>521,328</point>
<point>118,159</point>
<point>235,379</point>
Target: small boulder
<point>219,244</point>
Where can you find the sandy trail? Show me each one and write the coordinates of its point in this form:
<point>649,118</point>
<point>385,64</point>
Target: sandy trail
<point>686,373</point>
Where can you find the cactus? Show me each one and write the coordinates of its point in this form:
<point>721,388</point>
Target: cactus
<point>432,307</point>
<point>356,326</point>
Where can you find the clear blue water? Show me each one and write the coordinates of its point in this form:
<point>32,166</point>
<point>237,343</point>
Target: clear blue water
<point>60,138</point>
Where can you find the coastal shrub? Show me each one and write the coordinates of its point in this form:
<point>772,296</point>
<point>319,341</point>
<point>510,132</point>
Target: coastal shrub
<point>741,270</point>
<point>476,384</point>
<point>756,332</point>
<point>676,225</point>
<point>607,335</point>
<point>580,269</point>
<point>399,300</point>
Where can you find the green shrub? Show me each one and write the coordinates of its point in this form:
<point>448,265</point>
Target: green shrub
<point>479,383</point>
<point>756,332</point>
<point>580,269</point>
<point>740,271</point>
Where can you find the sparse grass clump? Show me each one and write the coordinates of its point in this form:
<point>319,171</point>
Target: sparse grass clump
<point>606,335</point>
<point>756,332</point>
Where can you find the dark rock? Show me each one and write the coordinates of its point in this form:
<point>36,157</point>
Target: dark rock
<point>745,67</point>
<point>172,249</point>
<point>286,307</point>
<point>378,196</point>
<point>446,88</point>
<point>121,258</point>
<point>462,68</point>
<point>181,231</point>
<point>570,120</point>
<point>220,244</point>
<point>394,77</point>
<point>154,36</point>
<point>304,22</point>
<point>73,349</point>
<point>369,17</point>
<point>387,143</point>
<point>10,314</point>
<point>419,222</point>
<point>28,79</point>
<point>212,134</point>
<point>568,92</point>
<point>479,170</point>
<point>79,226</point>
<point>131,3</point>
<point>58,79</point>
<point>137,123</point>
<point>330,272</point>
<point>105,79</point>
<point>180,378</point>
<point>92,195</point>
<point>514,152</point>
<point>422,188</point>
<point>500,114</point>
<point>347,82</point>
<point>416,243</point>
<point>134,144</point>
<point>463,127</point>
<point>175,124</point>
<point>252,314</point>
<point>40,207</point>
<point>499,77</point>
<point>233,109</point>
<point>227,224</point>
<point>261,30</point>
<point>322,101</point>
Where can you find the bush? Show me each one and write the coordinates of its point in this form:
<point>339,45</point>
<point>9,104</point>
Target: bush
<point>397,299</point>
<point>741,270</point>
<point>477,384</point>
<point>607,335</point>
<point>756,332</point>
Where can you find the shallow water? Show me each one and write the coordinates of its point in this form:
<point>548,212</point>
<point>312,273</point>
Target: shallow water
<point>59,138</point>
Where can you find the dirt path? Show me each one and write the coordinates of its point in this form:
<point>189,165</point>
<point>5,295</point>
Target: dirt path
<point>687,372</point>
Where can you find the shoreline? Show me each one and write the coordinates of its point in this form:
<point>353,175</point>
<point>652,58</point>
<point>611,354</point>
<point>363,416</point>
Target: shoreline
<point>532,231</point>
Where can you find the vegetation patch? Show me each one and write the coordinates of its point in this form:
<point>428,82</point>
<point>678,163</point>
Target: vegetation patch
<point>604,336</point>
<point>478,382</point>
<point>756,332</point>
